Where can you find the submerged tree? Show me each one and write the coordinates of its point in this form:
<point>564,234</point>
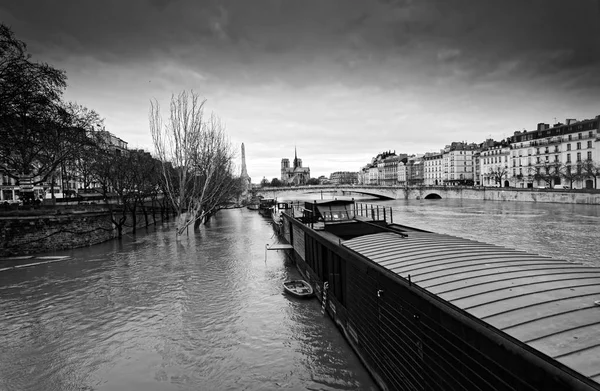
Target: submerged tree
<point>197,149</point>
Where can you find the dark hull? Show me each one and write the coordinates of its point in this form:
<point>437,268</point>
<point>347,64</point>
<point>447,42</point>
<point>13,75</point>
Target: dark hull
<point>410,339</point>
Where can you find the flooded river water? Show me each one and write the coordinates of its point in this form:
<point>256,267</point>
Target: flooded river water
<point>208,312</point>
<point>149,313</point>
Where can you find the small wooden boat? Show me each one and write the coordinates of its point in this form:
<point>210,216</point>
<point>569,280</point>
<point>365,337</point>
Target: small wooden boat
<point>298,288</point>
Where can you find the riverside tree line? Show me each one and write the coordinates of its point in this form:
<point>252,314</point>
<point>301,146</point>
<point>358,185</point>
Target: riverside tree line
<point>46,141</point>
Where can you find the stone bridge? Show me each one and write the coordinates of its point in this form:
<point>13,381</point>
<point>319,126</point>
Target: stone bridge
<point>381,192</point>
<point>563,196</point>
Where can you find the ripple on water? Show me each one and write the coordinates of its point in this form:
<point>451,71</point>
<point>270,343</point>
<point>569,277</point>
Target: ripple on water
<point>203,313</point>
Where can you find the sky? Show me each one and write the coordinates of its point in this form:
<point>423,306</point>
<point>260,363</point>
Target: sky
<point>338,80</point>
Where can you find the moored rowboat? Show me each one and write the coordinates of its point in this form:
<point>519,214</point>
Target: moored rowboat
<point>298,288</point>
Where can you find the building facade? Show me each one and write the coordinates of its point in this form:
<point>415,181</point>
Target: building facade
<point>433,168</point>
<point>458,163</point>
<point>68,178</point>
<point>344,178</point>
<point>295,174</point>
<point>494,160</point>
<point>564,154</point>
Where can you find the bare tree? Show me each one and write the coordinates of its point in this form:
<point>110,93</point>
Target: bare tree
<point>547,171</point>
<point>498,174</point>
<point>571,174</point>
<point>591,169</point>
<point>201,155</point>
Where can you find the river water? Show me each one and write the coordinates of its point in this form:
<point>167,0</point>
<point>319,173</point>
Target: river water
<point>564,231</point>
<point>149,313</point>
<point>208,312</point>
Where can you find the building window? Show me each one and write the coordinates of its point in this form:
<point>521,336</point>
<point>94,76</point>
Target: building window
<point>568,158</point>
<point>568,147</point>
<point>556,158</point>
<point>579,145</point>
<point>589,145</point>
<point>570,137</point>
<point>578,156</point>
<point>589,155</point>
<point>579,136</point>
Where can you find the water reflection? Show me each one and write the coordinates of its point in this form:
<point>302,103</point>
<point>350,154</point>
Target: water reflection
<point>151,313</point>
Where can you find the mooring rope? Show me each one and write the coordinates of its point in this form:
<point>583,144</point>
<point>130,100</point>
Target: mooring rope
<point>324,301</point>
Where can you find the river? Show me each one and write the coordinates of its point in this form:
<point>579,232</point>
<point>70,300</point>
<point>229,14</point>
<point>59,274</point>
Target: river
<point>148,313</point>
<point>208,312</point>
<point>564,231</point>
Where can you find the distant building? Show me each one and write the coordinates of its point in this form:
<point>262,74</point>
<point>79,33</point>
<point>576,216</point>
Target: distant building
<point>433,166</point>
<point>494,163</point>
<point>296,174</point>
<point>323,180</point>
<point>411,170</point>
<point>551,155</point>
<point>458,163</point>
<point>344,178</point>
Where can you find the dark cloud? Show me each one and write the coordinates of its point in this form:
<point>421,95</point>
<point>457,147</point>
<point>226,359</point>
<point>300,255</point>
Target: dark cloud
<point>477,35</point>
<point>397,58</point>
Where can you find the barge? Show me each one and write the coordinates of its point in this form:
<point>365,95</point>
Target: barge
<point>427,311</point>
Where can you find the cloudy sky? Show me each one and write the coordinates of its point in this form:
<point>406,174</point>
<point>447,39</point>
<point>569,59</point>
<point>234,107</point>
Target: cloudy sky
<point>341,80</point>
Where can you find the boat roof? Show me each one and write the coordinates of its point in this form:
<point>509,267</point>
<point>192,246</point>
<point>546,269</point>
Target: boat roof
<point>549,304</point>
<point>335,201</point>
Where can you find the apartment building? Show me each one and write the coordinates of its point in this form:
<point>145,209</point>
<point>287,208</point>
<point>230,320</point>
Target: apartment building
<point>458,163</point>
<point>565,154</point>
<point>548,155</point>
<point>433,168</point>
<point>343,178</point>
<point>494,164</point>
<point>65,180</point>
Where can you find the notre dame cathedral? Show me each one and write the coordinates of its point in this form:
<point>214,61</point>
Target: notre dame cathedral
<point>295,175</point>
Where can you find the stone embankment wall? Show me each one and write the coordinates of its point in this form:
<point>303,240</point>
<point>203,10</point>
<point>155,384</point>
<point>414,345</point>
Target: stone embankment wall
<point>575,196</point>
<point>36,231</point>
<point>523,195</point>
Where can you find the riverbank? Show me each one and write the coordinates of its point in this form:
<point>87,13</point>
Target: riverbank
<point>562,196</point>
<point>24,232</point>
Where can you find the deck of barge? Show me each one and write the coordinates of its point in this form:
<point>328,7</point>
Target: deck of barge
<point>549,304</point>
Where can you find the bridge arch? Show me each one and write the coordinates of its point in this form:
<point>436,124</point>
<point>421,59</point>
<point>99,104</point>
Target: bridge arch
<point>382,193</point>
<point>433,196</point>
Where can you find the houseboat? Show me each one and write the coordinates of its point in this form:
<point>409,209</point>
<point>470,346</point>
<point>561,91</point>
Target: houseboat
<point>266,206</point>
<point>427,311</point>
